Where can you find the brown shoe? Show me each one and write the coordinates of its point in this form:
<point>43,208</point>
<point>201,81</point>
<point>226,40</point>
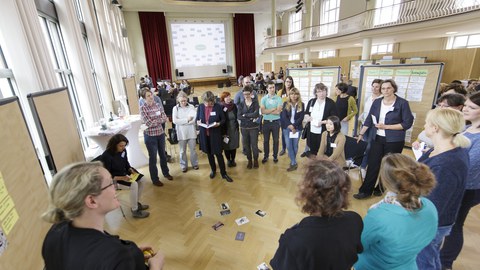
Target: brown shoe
<point>158,183</point>
<point>249,165</point>
<point>169,177</point>
<point>255,164</point>
<point>292,168</point>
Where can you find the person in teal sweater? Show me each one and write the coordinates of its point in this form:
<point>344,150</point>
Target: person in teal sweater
<point>399,226</point>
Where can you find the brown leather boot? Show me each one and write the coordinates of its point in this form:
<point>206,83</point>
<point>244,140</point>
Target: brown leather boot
<point>255,164</point>
<point>249,165</point>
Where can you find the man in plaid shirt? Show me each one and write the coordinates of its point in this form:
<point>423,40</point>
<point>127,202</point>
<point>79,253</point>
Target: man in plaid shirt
<point>153,116</point>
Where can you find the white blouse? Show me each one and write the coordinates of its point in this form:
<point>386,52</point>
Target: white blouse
<point>185,129</point>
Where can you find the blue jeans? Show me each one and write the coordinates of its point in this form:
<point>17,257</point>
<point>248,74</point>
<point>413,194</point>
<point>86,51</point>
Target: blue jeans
<point>292,145</point>
<point>156,144</point>
<point>429,257</point>
<point>454,242</point>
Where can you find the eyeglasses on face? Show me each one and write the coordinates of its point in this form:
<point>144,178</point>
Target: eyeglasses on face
<point>107,186</point>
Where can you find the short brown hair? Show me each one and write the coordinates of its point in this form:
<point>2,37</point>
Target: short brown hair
<point>408,178</point>
<point>324,189</point>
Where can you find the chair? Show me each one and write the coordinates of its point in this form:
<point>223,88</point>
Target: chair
<point>354,153</point>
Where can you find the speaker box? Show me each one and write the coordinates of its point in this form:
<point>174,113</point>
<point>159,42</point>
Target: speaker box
<point>180,74</point>
<point>224,70</point>
<point>176,72</point>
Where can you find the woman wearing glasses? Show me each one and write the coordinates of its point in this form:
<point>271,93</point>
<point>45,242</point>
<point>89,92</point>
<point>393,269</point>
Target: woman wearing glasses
<point>80,196</point>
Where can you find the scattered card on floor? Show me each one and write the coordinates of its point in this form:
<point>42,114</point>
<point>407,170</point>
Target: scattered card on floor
<point>225,212</point>
<point>198,214</point>
<point>240,236</point>
<point>224,206</point>
<point>263,266</point>
<point>260,213</point>
<point>241,221</point>
<point>217,226</point>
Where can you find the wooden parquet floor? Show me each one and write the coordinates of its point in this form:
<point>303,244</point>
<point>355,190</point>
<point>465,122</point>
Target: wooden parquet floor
<point>191,243</point>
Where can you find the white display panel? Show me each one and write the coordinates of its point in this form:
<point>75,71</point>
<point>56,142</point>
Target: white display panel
<point>199,44</point>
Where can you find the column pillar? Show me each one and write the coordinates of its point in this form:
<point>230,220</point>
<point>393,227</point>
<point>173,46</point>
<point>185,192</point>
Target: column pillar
<point>367,48</point>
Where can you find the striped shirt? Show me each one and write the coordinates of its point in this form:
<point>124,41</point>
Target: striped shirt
<point>153,116</point>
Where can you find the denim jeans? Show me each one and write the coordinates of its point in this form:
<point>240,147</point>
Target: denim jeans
<point>429,257</point>
<point>454,242</point>
<point>292,145</point>
<point>182,145</point>
<point>156,144</point>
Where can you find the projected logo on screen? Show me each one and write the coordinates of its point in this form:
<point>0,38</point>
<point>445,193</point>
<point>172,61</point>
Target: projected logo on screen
<point>198,44</point>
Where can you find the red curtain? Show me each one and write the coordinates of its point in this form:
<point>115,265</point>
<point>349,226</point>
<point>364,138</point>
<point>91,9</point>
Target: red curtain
<point>244,38</point>
<point>155,42</point>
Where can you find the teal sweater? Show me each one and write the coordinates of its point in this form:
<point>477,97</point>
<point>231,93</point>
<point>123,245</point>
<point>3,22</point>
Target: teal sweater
<point>393,236</point>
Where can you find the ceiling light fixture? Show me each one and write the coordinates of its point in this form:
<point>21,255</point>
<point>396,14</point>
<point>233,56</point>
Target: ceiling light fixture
<point>451,33</point>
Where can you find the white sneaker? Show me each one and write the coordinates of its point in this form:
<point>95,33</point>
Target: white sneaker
<point>363,172</point>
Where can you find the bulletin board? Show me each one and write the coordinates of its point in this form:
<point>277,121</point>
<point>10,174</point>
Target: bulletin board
<point>417,83</point>
<point>55,119</point>
<point>416,60</point>
<point>305,79</point>
<point>132,95</point>
<point>23,193</point>
<point>388,61</point>
<point>354,71</point>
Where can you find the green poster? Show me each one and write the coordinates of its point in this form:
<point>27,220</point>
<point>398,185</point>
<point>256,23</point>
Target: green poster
<point>386,72</point>
<point>403,72</point>
<point>373,72</point>
<point>420,72</point>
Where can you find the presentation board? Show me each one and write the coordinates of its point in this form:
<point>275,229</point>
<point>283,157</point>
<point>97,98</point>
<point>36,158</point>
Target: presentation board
<point>416,60</point>
<point>56,121</point>
<point>388,61</point>
<point>305,79</point>
<point>354,72</point>
<point>417,83</point>
<point>132,97</point>
<point>23,193</point>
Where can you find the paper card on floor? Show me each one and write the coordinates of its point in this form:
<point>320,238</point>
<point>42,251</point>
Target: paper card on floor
<point>198,214</point>
<point>240,236</point>
<point>225,212</point>
<point>241,221</point>
<point>217,226</point>
<point>224,206</point>
<point>260,213</point>
<point>263,266</point>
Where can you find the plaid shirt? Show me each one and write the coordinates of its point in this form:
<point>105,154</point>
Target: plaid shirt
<point>153,116</point>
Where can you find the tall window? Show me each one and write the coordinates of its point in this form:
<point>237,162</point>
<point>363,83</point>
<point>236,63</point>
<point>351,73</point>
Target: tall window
<point>295,22</point>
<point>467,41</point>
<point>58,56</point>
<point>465,3</point>
<point>330,10</point>
<point>386,11</point>
<point>382,48</point>
<point>79,12</point>
<point>6,76</point>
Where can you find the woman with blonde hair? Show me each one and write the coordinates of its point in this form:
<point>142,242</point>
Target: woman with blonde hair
<point>443,127</point>
<point>329,238</point>
<point>453,243</point>
<point>80,196</point>
<point>291,119</point>
<point>183,117</point>
<point>399,226</point>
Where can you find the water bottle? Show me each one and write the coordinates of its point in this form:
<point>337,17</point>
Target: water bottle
<point>120,113</point>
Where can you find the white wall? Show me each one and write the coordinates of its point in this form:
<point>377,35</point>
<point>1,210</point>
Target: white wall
<point>262,21</point>
<point>135,39</point>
